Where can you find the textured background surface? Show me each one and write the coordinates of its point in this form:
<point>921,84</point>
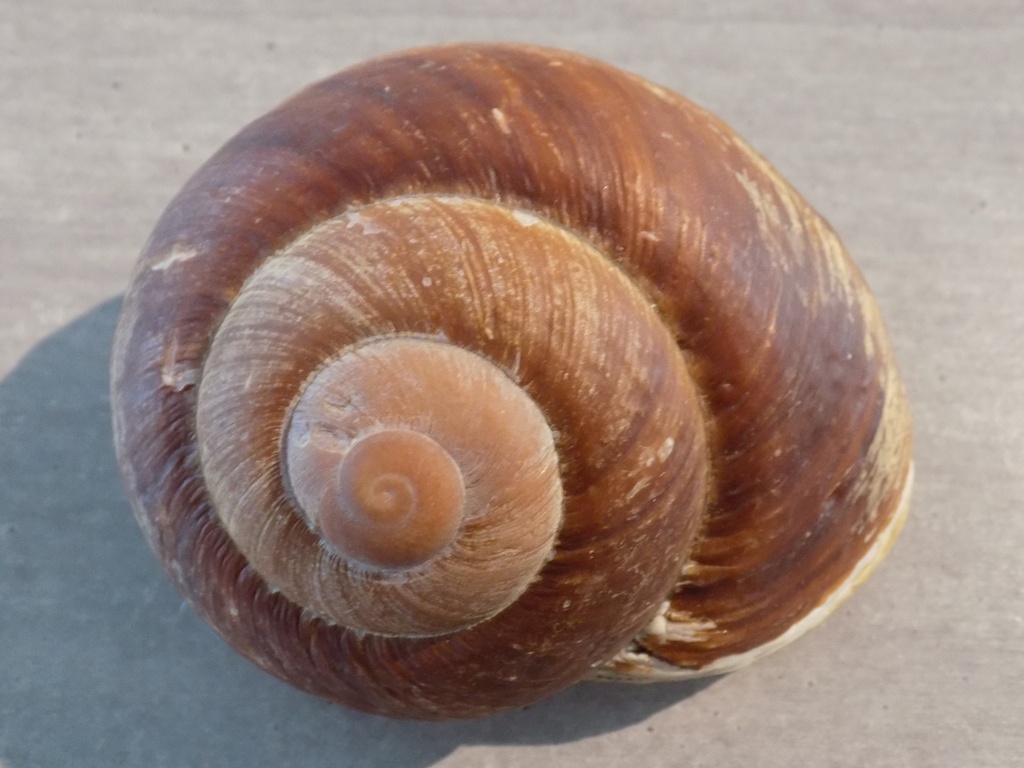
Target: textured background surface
<point>902,123</point>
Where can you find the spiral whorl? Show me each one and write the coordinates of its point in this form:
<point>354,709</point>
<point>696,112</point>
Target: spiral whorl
<point>432,316</point>
<point>467,459</point>
<point>443,382</point>
<point>397,500</point>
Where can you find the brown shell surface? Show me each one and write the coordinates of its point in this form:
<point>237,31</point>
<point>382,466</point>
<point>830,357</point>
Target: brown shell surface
<point>805,431</point>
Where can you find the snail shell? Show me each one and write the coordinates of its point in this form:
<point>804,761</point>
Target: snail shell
<point>472,371</point>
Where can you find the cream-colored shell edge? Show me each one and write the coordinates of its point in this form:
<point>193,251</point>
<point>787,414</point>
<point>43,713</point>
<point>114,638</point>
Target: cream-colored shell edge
<point>634,665</point>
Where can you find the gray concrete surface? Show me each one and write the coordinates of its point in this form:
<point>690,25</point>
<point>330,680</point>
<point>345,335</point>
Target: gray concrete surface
<point>902,122</point>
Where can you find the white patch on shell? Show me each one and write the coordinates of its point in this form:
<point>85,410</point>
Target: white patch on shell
<point>683,627</point>
<point>179,377</point>
<point>501,120</point>
<point>525,218</point>
<point>657,627</point>
<point>637,487</point>
<point>659,623</point>
<point>690,569</point>
<point>662,93</point>
<point>177,374</point>
<point>666,449</point>
<point>366,225</point>
<point>176,255</point>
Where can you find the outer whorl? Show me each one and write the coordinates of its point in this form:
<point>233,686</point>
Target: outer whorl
<point>473,370</point>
